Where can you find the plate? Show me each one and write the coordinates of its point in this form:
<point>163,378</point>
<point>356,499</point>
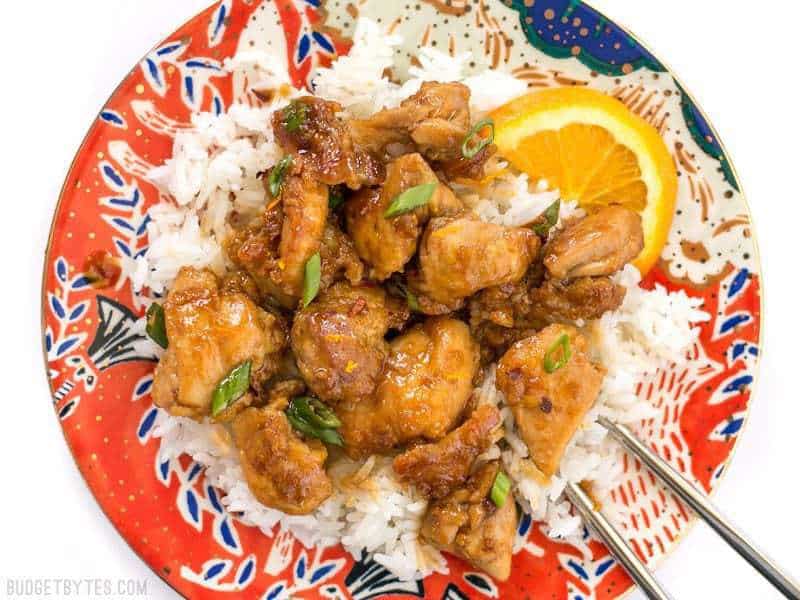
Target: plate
<point>100,372</point>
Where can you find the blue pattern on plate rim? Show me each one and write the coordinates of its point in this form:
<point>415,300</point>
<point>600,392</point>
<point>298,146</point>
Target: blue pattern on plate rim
<point>116,341</point>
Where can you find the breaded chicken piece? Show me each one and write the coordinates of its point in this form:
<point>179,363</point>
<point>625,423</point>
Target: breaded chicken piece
<point>387,244</point>
<point>282,470</point>
<point>550,384</point>
<point>599,244</point>
<point>425,386</point>
<point>468,524</point>
<point>338,340</point>
<point>210,332</point>
<point>437,469</point>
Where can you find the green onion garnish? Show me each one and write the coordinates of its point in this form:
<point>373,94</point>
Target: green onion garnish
<point>277,175</point>
<point>412,198</point>
<point>314,419</point>
<point>397,287</point>
<point>550,219</point>
<point>156,325</point>
<point>335,197</point>
<point>500,489</point>
<point>299,423</point>
<point>312,279</point>
<point>413,301</point>
<point>331,436</point>
<point>316,412</point>
<point>295,115</point>
<point>474,142</point>
<point>558,354</point>
<point>231,388</point>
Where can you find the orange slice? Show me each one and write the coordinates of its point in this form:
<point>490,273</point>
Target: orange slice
<point>597,152</point>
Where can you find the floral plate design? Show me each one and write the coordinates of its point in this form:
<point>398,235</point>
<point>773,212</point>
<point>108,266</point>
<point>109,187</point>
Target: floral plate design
<point>101,373</point>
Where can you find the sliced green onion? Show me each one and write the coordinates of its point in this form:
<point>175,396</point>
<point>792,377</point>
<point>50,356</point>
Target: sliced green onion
<point>312,279</point>
<point>500,489</point>
<point>316,412</point>
<point>398,288</point>
<point>156,325</point>
<point>278,174</point>
<point>474,142</point>
<point>231,388</point>
<point>295,115</point>
<point>413,301</point>
<point>558,354</point>
<point>331,436</point>
<point>299,423</point>
<point>412,198</point>
<point>335,197</point>
<point>550,219</point>
<point>307,419</point>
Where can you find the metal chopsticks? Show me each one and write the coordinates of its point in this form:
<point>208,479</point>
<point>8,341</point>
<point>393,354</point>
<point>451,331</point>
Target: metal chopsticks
<point>615,543</point>
<point>695,499</point>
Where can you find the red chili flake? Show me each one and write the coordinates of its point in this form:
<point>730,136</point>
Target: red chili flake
<point>358,307</point>
<point>102,269</point>
<point>515,375</point>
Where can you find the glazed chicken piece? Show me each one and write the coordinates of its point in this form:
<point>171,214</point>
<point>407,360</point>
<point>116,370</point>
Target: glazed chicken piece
<point>527,306</point>
<point>365,429</point>
<point>338,258</point>
<point>468,524</point>
<point>428,378</point>
<point>275,248</point>
<point>584,298</point>
<point>338,340</point>
<point>600,244</point>
<point>282,470</point>
<point>241,282</point>
<point>254,249</point>
<point>210,332</point>
<point>500,317</point>
<point>426,383</point>
<point>435,120</point>
<point>463,167</point>
<point>549,406</point>
<point>305,210</point>
<point>309,127</point>
<point>387,244</point>
<point>439,468</point>
<point>459,257</point>
<point>495,340</point>
<point>506,305</point>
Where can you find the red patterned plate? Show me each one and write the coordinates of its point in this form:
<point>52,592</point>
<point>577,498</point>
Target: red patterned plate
<point>101,372</point>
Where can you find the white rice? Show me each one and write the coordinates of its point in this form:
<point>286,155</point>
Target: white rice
<point>512,201</point>
<point>175,241</point>
<point>358,81</point>
<point>214,170</point>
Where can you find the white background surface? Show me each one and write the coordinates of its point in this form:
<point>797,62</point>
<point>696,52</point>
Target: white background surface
<point>60,62</point>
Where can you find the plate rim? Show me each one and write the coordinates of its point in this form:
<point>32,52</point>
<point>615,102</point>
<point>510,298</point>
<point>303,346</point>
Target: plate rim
<point>43,291</point>
<point>756,369</point>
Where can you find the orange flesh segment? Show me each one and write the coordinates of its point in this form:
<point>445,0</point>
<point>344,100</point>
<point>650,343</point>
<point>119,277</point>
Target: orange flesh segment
<point>596,152</point>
